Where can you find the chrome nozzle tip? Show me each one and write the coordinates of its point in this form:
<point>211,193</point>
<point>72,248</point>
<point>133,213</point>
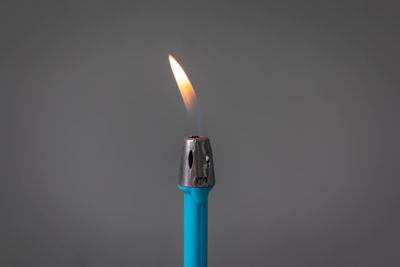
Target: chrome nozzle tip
<point>197,167</point>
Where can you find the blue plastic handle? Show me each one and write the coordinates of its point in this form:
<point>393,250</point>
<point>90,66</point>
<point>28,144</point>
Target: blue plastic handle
<point>195,226</point>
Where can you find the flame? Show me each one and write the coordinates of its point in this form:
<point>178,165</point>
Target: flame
<point>185,87</point>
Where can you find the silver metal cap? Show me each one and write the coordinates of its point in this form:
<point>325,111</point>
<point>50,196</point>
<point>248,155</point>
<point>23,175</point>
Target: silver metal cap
<point>197,168</point>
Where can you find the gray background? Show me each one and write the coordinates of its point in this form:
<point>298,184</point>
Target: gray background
<point>299,98</point>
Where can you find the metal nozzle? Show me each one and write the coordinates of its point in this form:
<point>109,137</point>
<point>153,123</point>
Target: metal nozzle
<point>197,168</point>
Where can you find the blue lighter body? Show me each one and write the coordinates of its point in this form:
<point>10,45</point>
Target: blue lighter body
<point>195,226</point>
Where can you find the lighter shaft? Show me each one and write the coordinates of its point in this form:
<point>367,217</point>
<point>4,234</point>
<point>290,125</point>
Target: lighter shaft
<point>195,226</point>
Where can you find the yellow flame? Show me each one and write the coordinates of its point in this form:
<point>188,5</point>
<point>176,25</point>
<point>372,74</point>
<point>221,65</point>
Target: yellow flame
<point>185,87</point>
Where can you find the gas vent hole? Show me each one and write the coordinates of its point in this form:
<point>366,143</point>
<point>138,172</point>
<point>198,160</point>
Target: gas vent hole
<point>190,159</point>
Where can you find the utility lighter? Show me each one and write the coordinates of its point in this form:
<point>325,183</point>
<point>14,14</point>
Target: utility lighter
<point>196,181</point>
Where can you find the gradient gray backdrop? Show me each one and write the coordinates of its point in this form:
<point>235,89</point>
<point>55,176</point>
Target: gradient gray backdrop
<point>299,98</point>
